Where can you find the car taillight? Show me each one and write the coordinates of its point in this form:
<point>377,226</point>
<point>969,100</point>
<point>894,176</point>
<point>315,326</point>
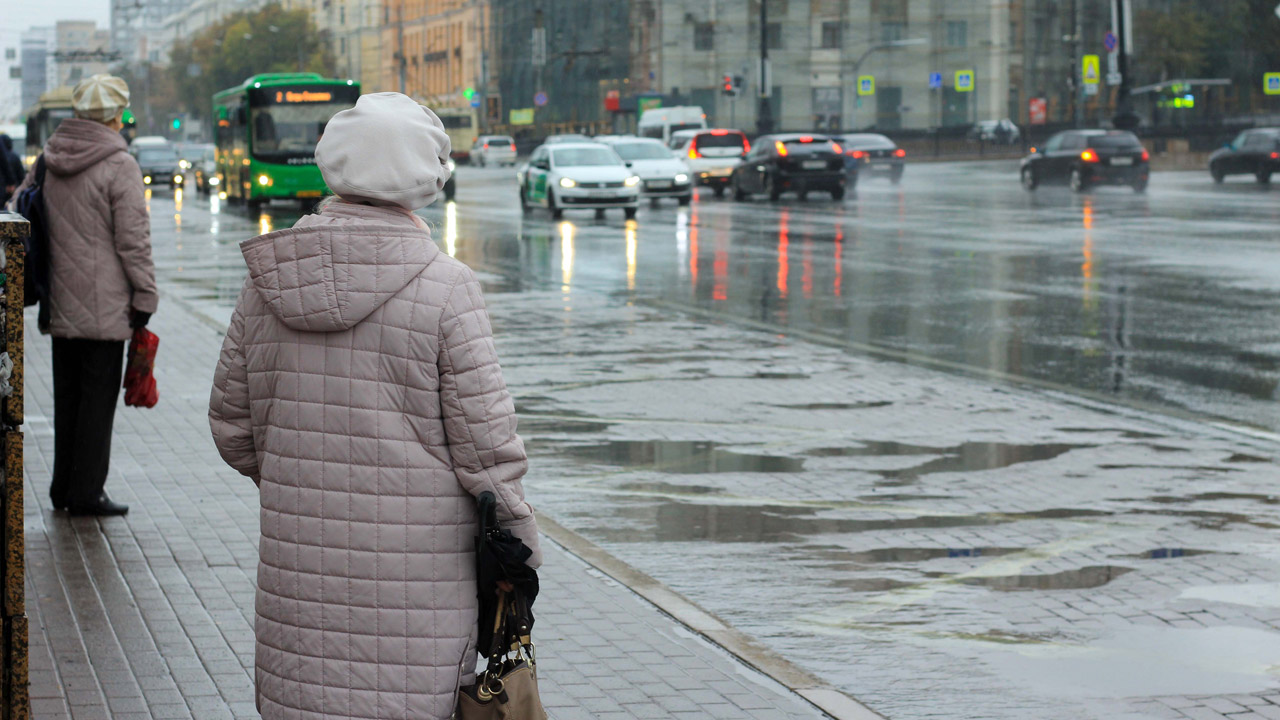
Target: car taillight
<point>513,147</point>
<point>836,146</point>
<point>486,146</point>
<point>900,152</point>
<point>1089,156</point>
<point>857,154</point>
<point>720,132</point>
<point>1147,156</point>
<point>806,138</point>
<point>693,150</point>
<point>746,145</point>
<point>1275,156</point>
<point>782,149</point>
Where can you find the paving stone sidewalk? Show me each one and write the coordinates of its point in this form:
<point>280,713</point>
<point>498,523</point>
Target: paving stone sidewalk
<point>151,616</point>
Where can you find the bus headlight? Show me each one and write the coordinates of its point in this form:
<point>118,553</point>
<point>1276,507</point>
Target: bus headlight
<point>146,179</point>
<point>177,179</point>
<point>567,183</point>
<point>631,181</point>
<point>264,180</point>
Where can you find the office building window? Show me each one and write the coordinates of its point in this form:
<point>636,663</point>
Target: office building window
<point>704,36</point>
<point>10,54</point>
<point>957,33</point>
<point>774,34</point>
<point>830,35</point>
<point>342,15</point>
<point>892,31</point>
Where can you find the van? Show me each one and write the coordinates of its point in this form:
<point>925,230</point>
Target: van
<point>659,123</point>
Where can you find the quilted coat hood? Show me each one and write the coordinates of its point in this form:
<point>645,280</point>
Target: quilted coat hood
<point>332,270</point>
<point>80,144</point>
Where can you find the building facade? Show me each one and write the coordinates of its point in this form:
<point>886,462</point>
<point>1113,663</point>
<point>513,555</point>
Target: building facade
<point>36,53</point>
<point>82,51</point>
<point>138,29</point>
<point>436,51</point>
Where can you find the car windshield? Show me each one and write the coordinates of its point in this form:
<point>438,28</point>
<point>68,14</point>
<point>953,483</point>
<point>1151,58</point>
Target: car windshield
<point>812,145</point>
<point>568,138</point>
<point>576,157</point>
<point>157,156</point>
<point>869,142</point>
<point>642,151</point>
<point>1116,141</point>
<point>500,141</point>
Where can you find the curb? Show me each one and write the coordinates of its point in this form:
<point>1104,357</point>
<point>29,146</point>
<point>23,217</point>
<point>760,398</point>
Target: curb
<point>819,694</point>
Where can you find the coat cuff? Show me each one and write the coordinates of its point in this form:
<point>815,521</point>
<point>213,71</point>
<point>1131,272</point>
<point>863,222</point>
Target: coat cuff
<point>527,530</point>
<point>145,301</point>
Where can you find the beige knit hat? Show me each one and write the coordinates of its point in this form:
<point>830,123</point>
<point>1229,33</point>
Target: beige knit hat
<point>387,150</point>
<point>101,97</point>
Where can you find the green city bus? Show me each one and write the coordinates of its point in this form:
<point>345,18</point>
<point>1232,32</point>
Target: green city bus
<point>266,131</point>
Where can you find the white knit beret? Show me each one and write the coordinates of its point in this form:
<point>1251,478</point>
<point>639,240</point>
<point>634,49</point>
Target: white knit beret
<point>387,150</point>
<point>100,97</point>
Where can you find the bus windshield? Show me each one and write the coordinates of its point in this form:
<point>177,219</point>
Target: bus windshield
<point>286,123</point>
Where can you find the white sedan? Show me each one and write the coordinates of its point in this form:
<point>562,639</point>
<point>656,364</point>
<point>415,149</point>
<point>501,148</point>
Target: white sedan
<point>661,174</point>
<point>569,176</point>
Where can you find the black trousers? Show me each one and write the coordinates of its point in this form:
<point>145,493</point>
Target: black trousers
<point>86,385</point>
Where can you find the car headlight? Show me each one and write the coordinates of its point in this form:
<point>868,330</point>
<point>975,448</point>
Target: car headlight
<point>451,165</point>
<point>631,181</point>
<point>682,178</point>
<point>146,179</point>
<point>567,183</point>
<point>214,180</point>
<point>177,179</point>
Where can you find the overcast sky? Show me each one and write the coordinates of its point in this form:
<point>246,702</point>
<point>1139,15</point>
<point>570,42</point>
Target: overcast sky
<point>22,14</point>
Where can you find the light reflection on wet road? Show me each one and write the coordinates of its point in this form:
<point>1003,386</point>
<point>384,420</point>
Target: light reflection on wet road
<point>1170,299</point>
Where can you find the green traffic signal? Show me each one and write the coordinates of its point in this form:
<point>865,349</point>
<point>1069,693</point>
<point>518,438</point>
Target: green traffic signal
<point>177,123</point>
<point>469,93</point>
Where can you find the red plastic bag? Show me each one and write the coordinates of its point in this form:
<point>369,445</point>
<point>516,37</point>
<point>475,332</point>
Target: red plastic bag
<point>139,376</point>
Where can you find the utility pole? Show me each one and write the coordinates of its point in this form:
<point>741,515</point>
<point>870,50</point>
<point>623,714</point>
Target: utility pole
<point>764,113</point>
<point>1077,53</point>
<point>400,43</point>
<point>1126,118</point>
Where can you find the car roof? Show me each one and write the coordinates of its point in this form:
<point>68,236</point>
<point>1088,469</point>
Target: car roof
<point>867,136</point>
<point>578,146</point>
<point>786,137</point>
<point>1266,131</point>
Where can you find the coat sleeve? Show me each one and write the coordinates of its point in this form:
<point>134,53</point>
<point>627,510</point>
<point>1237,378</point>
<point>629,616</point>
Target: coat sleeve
<point>229,402</point>
<point>131,230</point>
<point>479,414</point>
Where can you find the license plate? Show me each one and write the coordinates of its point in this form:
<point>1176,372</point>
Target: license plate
<point>660,184</point>
<point>602,193</point>
<point>814,164</point>
<point>882,166</point>
<point>1122,161</point>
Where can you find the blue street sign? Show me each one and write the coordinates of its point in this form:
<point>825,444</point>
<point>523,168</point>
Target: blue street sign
<point>935,80</point>
<point>540,99</point>
<point>475,102</point>
<point>1109,41</point>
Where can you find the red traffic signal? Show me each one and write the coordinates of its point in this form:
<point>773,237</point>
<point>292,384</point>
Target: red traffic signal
<point>729,89</point>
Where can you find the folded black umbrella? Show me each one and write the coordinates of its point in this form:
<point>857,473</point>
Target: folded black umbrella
<point>501,556</point>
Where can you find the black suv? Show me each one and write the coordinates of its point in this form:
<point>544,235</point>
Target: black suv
<point>791,163</point>
<point>1083,158</point>
<point>1253,152</point>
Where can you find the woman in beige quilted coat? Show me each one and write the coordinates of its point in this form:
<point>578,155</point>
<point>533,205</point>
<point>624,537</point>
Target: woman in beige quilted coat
<point>359,388</point>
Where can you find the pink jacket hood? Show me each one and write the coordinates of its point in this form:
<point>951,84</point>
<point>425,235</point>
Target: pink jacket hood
<point>80,144</point>
<point>332,270</point>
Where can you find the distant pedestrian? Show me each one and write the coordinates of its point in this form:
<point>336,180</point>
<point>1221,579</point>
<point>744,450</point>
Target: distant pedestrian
<point>359,387</point>
<point>102,285</point>
<point>11,173</point>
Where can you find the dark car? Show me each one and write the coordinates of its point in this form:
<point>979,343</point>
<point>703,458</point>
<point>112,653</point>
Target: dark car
<point>159,165</point>
<point>205,172</point>
<point>1256,152</point>
<point>791,163</point>
<point>1083,158</point>
<point>873,154</point>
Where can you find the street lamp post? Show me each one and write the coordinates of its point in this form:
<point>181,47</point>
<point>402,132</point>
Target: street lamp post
<point>764,113</point>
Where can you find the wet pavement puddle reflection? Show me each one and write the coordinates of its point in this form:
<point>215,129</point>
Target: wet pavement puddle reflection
<point>683,457</point>
<point>967,457</point>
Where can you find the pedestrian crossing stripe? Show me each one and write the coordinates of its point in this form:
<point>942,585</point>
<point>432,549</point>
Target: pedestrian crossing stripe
<point>1089,68</point>
<point>1271,83</point>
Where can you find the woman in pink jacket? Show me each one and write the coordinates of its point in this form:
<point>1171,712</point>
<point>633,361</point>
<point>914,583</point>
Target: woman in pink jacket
<point>359,388</point>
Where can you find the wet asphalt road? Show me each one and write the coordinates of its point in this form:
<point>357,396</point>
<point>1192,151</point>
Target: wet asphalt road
<point>955,544</point>
<point>1168,300</point>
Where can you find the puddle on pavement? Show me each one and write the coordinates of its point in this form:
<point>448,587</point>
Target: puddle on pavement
<point>968,457</point>
<point>896,555</point>
<point>1243,458</point>
<point>837,406</point>
<point>1211,496</point>
<point>661,488</point>
<point>1166,554</point>
<point>1129,434</point>
<point>555,426</point>
<point>767,375</point>
<point>683,457</point>
<point>1079,579</point>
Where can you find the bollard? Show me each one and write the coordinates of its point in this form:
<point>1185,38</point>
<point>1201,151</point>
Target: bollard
<point>15,702</point>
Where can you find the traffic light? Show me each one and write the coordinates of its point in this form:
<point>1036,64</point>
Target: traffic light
<point>728,87</point>
<point>177,123</point>
<point>739,83</point>
<point>469,93</point>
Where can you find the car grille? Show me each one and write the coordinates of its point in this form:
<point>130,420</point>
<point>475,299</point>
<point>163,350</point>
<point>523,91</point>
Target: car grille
<point>597,185</point>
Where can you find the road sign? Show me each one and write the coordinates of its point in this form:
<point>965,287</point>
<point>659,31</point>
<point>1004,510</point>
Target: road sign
<point>1271,83</point>
<point>1114,78</point>
<point>475,102</point>
<point>1091,89</point>
<point>1109,41</point>
<point>540,98</point>
<point>1038,110</point>
<point>522,116</point>
<point>935,81</point>
<point>964,81</point>
<point>1089,69</point>
<point>866,85</point>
